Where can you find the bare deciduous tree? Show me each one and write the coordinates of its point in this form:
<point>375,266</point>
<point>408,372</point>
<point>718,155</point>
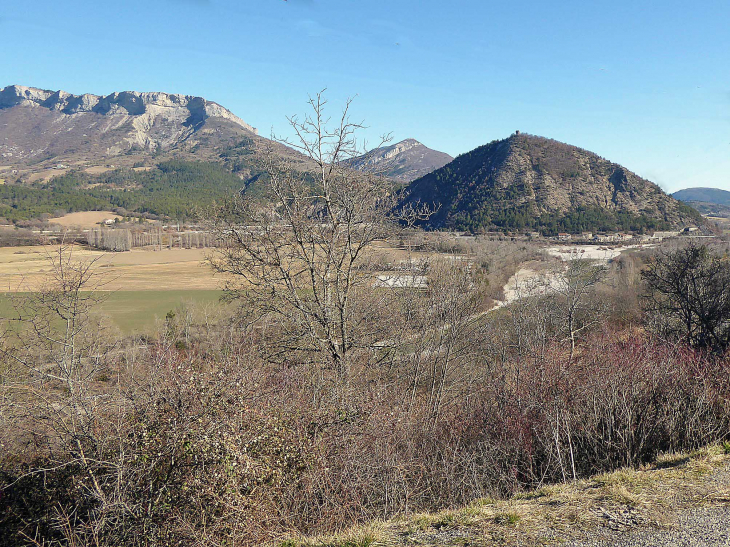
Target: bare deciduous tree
<point>572,288</point>
<point>300,258</point>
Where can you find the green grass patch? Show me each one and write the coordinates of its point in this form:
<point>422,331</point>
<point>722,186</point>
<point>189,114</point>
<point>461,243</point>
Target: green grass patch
<point>138,311</point>
<point>507,519</point>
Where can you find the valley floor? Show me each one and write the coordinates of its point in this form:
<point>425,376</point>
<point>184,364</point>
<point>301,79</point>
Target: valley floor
<point>138,287</point>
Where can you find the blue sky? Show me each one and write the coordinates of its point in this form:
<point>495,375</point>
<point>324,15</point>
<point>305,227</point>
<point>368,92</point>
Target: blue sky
<point>644,84</point>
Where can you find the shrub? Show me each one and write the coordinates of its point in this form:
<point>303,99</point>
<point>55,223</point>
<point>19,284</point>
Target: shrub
<point>688,296</point>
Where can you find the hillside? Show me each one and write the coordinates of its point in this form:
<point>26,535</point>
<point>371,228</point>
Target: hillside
<point>706,195</point>
<point>711,202</point>
<point>174,189</point>
<point>708,209</point>
<point>404,161</point>
<point>527,182</point>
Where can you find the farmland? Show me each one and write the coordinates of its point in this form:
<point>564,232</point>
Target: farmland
<point>140,286</point>
<point>25,268</point>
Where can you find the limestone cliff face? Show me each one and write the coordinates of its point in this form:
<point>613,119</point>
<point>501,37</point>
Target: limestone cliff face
<point>525,180</point>
<point>404,161</point>
<point>37,124</point>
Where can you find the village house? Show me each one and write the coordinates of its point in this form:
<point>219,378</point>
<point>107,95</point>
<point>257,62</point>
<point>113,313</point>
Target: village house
<point>605,238</point>
<point>664,235</point>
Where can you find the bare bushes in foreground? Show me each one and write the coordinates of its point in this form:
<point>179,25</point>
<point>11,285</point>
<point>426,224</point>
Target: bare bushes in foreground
<point>212,444</point>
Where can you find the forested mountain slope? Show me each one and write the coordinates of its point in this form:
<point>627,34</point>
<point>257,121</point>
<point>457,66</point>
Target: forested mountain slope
<point>158,153</point>
<point>174,189</point>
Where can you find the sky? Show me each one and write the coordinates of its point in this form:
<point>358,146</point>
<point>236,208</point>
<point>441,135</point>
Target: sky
<point>644,84</point>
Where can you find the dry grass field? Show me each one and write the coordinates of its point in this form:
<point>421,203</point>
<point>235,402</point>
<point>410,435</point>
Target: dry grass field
<point>25,268</point>
<point>143,284</point>
<point>46,175</point>
<point>84,219</point>
<point>97,169</point>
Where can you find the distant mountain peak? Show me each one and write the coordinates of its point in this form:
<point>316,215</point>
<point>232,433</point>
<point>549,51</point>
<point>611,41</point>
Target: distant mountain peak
<point>708,201</point>
<point>704,194</point>
<point>405,161</point>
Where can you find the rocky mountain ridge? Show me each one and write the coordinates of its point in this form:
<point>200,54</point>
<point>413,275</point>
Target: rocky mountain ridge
<point>132,103</point>
<point>39,125</point>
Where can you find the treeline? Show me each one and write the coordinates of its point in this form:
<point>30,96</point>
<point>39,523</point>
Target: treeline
<point>174,189</point>
<point>582,219</point>
<point>110,240</point>
<point>20,237</point>
<point>124,239</point>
